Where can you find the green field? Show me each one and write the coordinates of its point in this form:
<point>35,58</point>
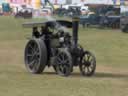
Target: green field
<point>110,47</point>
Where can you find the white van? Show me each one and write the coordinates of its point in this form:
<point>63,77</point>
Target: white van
<point>84,10</point>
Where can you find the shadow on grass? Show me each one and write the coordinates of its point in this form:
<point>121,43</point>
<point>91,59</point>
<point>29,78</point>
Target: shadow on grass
<point>96,75</point>
<point>78,74</point>
<point>102,75</point>
<point>110,75</point>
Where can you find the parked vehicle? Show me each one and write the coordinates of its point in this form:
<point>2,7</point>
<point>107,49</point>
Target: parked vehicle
<point>61,12</point>
<point>48,8</point>
<point>90,19</point>
<point>113,21</point>
<point>84,10</point>
<point>70,12</point>
<point>100,20</point>
<point>24,13</point>
<point>73,11</point>
<point>45,12</point>
<point>124,22</point>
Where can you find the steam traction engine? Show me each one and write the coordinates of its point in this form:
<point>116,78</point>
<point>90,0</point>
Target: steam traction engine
<point>60,49</point>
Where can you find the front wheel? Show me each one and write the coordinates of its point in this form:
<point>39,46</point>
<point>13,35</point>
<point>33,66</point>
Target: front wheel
<point>88,64</point>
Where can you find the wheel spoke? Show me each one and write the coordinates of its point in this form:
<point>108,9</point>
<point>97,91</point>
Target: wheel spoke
<point>83,67</point>
<point>59,60</point>
<point>61,68</point>
<point>66,62</point>
<point>32,64</point>
<point>30,46</point>
<point>37,54</point>
<point>29,55</point>
<point>36,50</point>
<point>88,70</point>
<point>59,63</point>
<point>63,57</point>
<point>65,69</point>
<point>85,70</point>
<point>36,64</point>
<point>88,57</point>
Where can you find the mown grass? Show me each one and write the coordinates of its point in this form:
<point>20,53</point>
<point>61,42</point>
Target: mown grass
<point>110,47</point>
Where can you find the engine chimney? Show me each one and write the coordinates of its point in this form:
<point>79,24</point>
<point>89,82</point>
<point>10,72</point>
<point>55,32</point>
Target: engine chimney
<point>75,24</point>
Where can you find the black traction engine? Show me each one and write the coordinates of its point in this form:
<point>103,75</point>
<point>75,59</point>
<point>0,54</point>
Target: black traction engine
<point>52,45</point>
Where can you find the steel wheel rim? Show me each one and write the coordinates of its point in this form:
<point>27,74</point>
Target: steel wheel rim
<point>88,64</point>
<point>63,64</point>
<point>32,56</point>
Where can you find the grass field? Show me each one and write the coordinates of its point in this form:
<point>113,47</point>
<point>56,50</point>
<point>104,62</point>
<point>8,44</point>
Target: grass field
<point>110,47</point>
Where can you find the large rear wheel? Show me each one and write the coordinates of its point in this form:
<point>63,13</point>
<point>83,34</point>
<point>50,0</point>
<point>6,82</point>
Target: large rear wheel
<point>35,56</point>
